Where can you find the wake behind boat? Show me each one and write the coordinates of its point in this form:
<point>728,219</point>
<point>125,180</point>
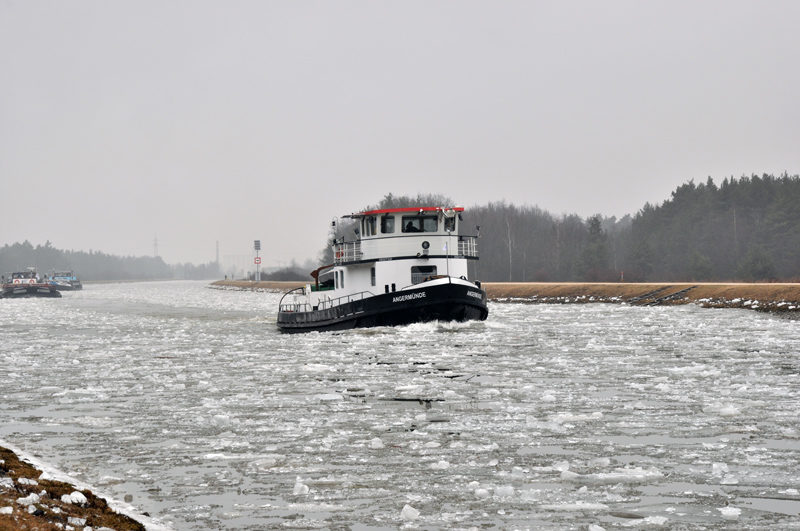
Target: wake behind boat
<point>22,284</point>
<point>405,265</point>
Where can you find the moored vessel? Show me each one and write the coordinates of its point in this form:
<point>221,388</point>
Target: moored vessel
<point>64,281</point>
<point>26,284</point>
<point>402,266</point>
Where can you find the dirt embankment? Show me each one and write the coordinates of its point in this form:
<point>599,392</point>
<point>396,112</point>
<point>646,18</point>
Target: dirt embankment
<point>27,501</point>
<point>765,297</point>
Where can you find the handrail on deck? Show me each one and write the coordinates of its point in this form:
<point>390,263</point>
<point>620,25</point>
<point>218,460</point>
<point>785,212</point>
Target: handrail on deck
<point>323,304</point>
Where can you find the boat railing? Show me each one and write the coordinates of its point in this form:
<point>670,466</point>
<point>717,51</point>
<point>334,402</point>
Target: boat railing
<point>344,299</point>
<point>454,246</point>
<point>468,246</point>
<point>323,304</point>
<point>293,306</point>
<point>347,252</point>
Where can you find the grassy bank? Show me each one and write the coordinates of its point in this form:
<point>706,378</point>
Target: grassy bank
<point>782,297</point>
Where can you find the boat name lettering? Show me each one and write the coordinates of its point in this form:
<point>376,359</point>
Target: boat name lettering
<point>409,297</point>
<point>475,294</point>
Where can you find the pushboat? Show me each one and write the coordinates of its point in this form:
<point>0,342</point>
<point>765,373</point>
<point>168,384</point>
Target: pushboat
<point>64,281</point>
<point>401,266</point>
<point>26,284</point>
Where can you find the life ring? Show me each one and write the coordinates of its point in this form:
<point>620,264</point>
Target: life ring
<point>339,254</point>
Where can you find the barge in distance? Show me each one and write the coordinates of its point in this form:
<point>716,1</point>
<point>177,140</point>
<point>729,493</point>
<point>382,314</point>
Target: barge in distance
<point>23,284</point>
<point>64,281</point>
<point>402,266</point>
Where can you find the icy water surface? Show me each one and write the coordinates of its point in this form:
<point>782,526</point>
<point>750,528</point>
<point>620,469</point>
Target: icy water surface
<point>542,417</point>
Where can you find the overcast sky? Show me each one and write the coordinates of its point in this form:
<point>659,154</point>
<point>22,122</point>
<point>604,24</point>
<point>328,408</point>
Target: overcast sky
<point>197,122</point>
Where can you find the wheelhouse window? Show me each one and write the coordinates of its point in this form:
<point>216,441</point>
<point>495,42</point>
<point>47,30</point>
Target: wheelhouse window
<point>450,224</point>
<point>370,228</point>
<point>420,223</point>
<point>387,224</point>
<point>420,273</point>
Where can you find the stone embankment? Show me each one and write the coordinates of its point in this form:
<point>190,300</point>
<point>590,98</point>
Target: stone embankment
<point>770,297</point>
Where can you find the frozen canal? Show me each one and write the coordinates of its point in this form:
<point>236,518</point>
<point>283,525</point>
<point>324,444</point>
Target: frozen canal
<point>594,416</point>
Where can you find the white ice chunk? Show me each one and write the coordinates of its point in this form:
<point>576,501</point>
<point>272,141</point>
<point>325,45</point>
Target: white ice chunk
<point>26,481</point>
<point>76,521</point>
<point>441,465</point>
<point>656,520</point>
<point>570,417</point>
<point>6,510</point>
<point>221,420</point>
<point>504,492</point>
<point>719,469</point>
<point>561,466</point>
<point>578,506</point>
<point>300,488</point>
<point>730,513</point>
<point>409,513</point>
<point>376,443</point>
<point>723,410</point>
<point>267,462</point>
<point>729,411</point>
<point>482,494</point>
<point>593,527</point>
<point>620,475</point>
<point>599,462</point>
<point>329,397</point>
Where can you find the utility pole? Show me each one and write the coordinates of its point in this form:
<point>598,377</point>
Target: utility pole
<point>155,246</point>
<point>257,247</point>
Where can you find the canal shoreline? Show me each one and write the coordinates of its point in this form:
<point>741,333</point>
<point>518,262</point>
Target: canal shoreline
<point>769,297</point>
<point>32,498</point>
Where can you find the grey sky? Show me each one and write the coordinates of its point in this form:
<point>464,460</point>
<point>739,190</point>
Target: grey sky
<point>197,122</point>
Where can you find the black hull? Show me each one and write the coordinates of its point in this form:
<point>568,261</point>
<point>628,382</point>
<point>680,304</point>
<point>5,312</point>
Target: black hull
<point>21,291</point>
<point>67,287</point>
<point>442,302</point>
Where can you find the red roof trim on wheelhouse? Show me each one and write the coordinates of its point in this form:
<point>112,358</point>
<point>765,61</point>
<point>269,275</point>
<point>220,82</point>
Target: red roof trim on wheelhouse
<point>407,209</point>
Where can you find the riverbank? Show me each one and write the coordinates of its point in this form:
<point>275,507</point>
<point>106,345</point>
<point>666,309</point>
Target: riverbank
<point>772,297</point>
<point>30,500</point>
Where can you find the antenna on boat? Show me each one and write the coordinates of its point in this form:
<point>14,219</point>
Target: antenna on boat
<point>447,252</point>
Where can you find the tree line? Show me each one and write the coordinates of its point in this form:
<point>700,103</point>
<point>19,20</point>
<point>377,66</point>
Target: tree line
<point>98,266</point>
<point>745,229</point>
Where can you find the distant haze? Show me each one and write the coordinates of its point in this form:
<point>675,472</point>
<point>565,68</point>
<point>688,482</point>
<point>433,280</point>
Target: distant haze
<point>186,123</point>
